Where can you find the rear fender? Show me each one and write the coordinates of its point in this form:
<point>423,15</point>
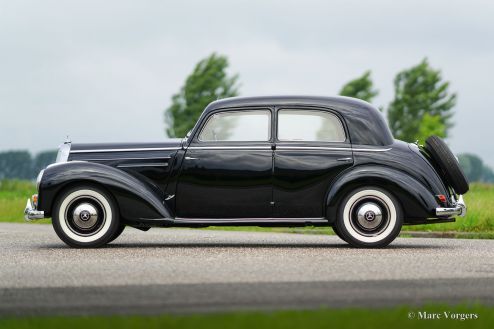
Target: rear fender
<point>136,198</point>
<point>416,200</point>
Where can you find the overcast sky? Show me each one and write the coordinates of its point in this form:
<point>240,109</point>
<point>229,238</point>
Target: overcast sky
<point>104,71</point>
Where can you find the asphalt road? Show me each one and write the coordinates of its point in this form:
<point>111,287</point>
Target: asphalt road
<point>182,270</point>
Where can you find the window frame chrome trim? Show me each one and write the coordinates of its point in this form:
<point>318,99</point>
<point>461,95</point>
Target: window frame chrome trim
<point>281,109</point>
<point>264,109</point>
<point>282,147</point>
<point>230,147</point>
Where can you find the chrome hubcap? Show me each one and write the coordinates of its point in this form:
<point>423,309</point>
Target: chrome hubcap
<point>369,215</point>
<point>85,215</point>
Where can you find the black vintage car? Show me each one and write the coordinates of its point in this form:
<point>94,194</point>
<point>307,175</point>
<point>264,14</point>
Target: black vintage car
<point>263,161</point>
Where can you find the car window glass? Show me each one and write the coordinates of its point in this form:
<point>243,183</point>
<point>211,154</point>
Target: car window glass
<point>309,125</point>
<point>237,126</point>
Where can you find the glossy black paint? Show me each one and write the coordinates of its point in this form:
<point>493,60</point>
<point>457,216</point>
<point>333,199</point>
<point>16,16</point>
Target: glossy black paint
<point>193,183</point>
<point>225,183</point>
<point>301,177</point>
<point>137,196</point>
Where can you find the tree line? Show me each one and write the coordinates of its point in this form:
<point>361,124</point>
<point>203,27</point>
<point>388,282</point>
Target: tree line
<point>23,165</point>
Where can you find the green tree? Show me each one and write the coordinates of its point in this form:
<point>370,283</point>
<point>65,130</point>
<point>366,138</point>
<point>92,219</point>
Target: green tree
<point>361,87</point>
<point>430,125</point>
<point>16,164</point>
<point>419,90</point>
<point>207,82</point>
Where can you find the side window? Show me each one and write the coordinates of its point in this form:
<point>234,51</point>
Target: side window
<point>309,125</point>
<point>237,126</point>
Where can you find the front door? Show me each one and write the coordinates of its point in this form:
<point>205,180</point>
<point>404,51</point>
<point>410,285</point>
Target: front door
<point>311,150</point>
<point>227,169</point>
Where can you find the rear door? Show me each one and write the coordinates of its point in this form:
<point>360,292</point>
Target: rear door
<point>311,149</point>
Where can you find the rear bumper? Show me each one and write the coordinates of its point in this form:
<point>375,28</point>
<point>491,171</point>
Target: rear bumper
<point>31,213</point>
<point>460,209</point>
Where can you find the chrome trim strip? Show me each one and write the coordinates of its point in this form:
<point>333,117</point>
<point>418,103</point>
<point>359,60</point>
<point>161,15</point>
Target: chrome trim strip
<point>181,220</point>
<point>134,165</point>
<point>126,150</point>
<point>330,148</point>
<point>119,159</point>
<point>230,147</point>
<point>371,150</point>
<point>288,148</point>
<point>313,148</point>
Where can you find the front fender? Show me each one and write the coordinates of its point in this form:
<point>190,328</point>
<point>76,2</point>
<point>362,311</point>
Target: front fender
<point>417,201</point>
<point>136,199</point>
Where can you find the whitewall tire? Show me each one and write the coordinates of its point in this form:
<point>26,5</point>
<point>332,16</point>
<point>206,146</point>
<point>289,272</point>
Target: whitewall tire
<point>369,217</point>
<point>85,216</point>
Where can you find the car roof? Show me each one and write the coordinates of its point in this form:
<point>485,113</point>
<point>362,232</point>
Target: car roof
<point>324,101</point>
<point>365,123</point>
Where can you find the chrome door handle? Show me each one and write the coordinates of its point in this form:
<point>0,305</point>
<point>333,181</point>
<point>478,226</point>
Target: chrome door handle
<point>344,159</point>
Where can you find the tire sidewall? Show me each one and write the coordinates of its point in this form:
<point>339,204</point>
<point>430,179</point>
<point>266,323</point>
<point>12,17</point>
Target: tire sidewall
<point>100,238</point>
<point>352,236</point>
<point>448,164</point>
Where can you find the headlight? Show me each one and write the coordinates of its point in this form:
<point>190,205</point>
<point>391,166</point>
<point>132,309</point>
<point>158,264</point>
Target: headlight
<point>38,179</point>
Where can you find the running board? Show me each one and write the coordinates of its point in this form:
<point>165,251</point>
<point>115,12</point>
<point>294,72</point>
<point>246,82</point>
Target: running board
<point>250,221</point>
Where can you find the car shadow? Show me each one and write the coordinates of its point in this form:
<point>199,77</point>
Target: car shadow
<point>241,245</point>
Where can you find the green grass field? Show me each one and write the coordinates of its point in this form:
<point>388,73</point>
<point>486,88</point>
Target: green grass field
<point>398,317</point>
<point>479,219</point>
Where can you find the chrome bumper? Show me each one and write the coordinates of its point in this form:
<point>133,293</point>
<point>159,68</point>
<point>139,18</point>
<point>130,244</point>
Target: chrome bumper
<point>30,213</point>
<point>460,209</point>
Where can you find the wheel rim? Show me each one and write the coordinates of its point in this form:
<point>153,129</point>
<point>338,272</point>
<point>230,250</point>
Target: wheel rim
<point>360,204</point>
<point>80,229</point>
<point>85,215</point>
<point>369,216</point>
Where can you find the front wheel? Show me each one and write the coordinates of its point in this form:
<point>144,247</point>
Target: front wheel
<point>369,217</point>
<point>85,216</point>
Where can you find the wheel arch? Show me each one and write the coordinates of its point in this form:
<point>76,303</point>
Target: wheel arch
<point>416,201</point>
<point>135,199</point>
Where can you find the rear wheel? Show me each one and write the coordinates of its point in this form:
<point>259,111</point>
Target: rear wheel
<point>369,217</point>
<point>85,216</point>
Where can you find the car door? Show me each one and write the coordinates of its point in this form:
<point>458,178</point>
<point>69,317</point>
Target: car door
<point>227,168</point>
<point>312,148</point>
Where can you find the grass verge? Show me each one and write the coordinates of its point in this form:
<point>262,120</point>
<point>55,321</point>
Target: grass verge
<point>460,316</point>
